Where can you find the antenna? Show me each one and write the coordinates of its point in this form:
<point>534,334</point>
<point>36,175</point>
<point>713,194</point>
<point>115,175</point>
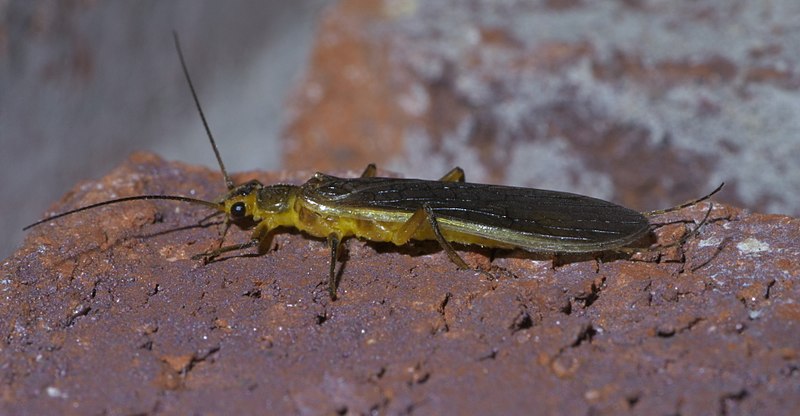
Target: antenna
<point>130,198</point>
<point>228,181</point>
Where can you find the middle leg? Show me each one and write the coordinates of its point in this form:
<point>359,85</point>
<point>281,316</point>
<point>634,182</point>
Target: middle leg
<point>454,175</point>
<point>426,217</point>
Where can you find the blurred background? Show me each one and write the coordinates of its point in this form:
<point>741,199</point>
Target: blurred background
<point>644,102</point>
<point>83,84</point>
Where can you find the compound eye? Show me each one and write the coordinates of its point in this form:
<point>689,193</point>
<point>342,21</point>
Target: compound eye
<point>238,210</point>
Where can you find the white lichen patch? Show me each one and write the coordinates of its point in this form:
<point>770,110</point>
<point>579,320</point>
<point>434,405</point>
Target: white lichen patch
<point>55,392</point>
<point>710,242</point>
<point>752,246</point>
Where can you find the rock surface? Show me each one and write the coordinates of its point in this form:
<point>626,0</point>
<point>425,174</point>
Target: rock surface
<point>105,312</point>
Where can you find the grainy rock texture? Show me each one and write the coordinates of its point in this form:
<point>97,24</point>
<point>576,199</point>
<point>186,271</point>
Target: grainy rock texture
<point>639,101</point>
<point>105,312</point>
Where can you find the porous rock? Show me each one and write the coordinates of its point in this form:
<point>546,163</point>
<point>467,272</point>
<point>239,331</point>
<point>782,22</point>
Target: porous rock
<point>106,312</point>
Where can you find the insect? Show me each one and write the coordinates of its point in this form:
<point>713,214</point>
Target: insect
<point>449,210</point>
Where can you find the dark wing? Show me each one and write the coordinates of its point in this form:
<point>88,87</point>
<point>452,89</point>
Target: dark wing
<point>530,218</point>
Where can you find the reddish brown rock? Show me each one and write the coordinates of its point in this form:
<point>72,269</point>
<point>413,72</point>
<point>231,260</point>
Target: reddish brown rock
<point>105,312</point>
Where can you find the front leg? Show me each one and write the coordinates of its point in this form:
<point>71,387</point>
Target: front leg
<point>260,237</point>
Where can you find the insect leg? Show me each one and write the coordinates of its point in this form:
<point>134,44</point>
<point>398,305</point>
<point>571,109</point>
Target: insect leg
<point>334,243</point>
<point>413,225</point>
<point>210,256</point>
<point>454,257</point>
<point>370,171</point>
<point>224,233</point>
<point>259,236</point>
<point>409,228</point>
<point>455,175</point>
